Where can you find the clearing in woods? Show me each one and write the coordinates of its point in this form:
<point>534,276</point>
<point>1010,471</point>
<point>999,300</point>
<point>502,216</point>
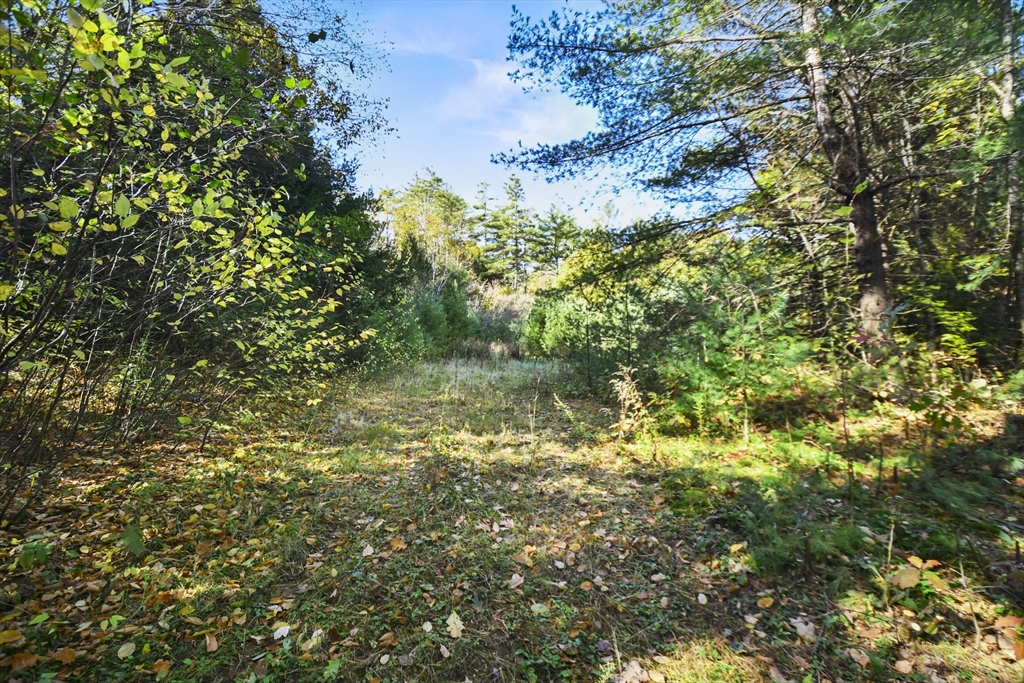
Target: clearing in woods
<point>468,521</point>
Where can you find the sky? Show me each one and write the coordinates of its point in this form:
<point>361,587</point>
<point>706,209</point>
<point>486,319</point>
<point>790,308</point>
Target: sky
<point>452,105</point>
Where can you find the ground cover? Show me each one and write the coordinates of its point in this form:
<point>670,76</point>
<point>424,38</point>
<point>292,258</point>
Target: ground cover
<point>474,521</point>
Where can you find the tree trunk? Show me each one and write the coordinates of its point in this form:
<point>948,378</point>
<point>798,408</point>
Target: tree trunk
<point>1014,226</point>
<point>850,176</point>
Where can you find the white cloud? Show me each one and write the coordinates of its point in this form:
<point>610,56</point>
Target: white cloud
<point>484,96</point>
<point>549,119</point>
<point>424,40</point>
<point>511,116</point>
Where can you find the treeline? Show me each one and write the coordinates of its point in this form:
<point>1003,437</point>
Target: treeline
<point>477,265</point>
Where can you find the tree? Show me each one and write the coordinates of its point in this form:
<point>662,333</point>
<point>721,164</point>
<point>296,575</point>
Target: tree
<point>554,237</point>
<point>697,100</point>
<point>436,217</point>
<point>503,236</point>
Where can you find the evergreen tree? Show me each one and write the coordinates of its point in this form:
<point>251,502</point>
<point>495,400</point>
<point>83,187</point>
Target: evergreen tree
<point>553,239</point>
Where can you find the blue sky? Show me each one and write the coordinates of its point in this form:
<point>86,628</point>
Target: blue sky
<point>453,106</point>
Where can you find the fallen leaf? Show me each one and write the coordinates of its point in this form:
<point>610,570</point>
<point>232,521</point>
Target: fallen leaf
<point>367,551</point>
<point>539,608</point>
<point>858,656</point>
<point>397,544</point>
<point>281,631</point>
<point>1018,650</point>
<point>126,650</point>
<point>23,660</point>
<point>1001,623</point>
<point>907,577</point>
<point>935,580</point>
<point>801,662</point>
<point>904,667</point>
<point>427,627</point>
<point>586,585</point>
<point>389,639</point>
<point>455,626</point>
<point>9,636</point>
<point>445,653</point>
<point>211,643</point>
<point>777,675</point>
<point>765,603</point>
<point>385,659</point>
<point>702,599</point>
<point>516,581</point>
<point>161,668</point>
<point>805,629</point>
<point>655,676</point>
<point>658,577</point>
<point>65,655</point>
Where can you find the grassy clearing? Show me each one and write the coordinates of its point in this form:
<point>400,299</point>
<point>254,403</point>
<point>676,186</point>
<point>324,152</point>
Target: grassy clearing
<point>336,541</point>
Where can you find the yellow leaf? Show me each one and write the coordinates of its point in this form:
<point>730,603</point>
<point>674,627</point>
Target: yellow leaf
<point>58,248</point>
<point>455,626</point>
<point>149,111</point>
<point>126,650</point>
<point>915,560</point>
<point>765,603</point>
<point>9,636</point>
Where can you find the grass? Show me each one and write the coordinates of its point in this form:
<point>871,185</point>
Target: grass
<point>318,541</point>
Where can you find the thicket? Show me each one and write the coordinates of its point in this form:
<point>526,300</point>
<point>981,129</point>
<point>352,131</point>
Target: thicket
<point>172,232</point>
<point>851,177</point>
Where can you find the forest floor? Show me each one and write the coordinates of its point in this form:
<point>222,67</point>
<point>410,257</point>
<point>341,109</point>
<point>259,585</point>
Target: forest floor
<point>468,522</point>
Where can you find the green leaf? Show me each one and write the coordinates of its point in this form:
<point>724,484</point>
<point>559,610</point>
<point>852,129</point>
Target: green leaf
<point>178,61</point>
<point>197,208</point>
<point>39,618</point>
<point>91,5</point>
<point>177,80</point>
<point>185,420</point>
<point>861,187</point>
<point>124,61</point>
<point>67,207</point>
<point>130,221</point>
<point>123,207</point>
<point>289,83</point>
<point>58,249</point>
<point>75,20</point>
<point>131,538</point>
<point>844,211</point>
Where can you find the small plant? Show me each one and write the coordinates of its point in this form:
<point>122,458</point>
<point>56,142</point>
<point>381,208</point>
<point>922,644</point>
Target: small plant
<point>634,418</point>
<point>33,554</point>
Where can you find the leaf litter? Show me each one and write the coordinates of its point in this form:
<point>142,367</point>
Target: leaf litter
<point>564,558</point>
